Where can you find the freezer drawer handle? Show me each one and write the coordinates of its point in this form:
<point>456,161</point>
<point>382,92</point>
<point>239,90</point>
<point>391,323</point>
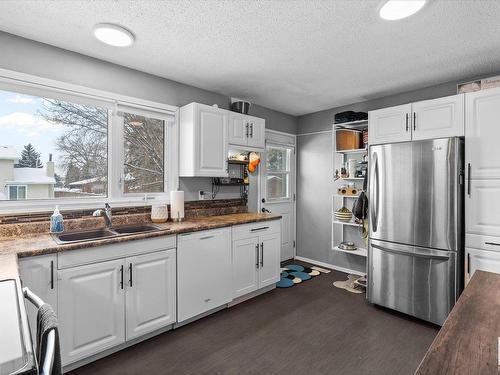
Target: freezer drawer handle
<point>418,255</point>
<point>492,243</point>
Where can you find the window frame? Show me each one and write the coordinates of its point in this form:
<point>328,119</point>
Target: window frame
<point>17,186</point>
<point>284,172</point>
<point>36,86</point>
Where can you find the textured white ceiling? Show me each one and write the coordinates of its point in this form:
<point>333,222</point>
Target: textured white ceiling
<point>294,56</point>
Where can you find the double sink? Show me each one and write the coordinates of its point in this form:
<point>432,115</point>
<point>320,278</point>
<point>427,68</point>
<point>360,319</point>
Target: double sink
<point>96,234</point>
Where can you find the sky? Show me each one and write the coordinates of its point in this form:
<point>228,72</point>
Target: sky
<point>20,124</point>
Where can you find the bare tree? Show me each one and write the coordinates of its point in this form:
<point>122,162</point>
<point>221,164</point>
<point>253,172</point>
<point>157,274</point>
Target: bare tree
<point>84,145</point>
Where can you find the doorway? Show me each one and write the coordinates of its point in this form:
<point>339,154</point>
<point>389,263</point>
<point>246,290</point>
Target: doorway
<point>278,191</point>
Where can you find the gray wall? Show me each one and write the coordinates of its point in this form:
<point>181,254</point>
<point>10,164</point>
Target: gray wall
<point>314,193</point>
<point>27,56</point>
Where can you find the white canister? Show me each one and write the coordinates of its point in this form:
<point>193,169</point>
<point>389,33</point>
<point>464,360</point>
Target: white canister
<point>159,213</point>
<point>177,205</point>
<point>351,166</point>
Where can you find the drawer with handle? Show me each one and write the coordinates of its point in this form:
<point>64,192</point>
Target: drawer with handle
<point>253,229</point>
<point>482,242</point>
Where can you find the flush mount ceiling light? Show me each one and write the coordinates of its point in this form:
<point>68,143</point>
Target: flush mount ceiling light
<point>393,10</point>
<point>113,35</point>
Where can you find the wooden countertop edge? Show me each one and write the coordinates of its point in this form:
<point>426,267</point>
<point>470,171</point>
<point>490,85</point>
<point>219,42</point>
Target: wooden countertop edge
<point>467,344</point>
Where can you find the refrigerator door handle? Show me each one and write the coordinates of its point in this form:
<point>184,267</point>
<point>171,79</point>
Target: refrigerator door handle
<point>429,254</point>
<point>375,194</point>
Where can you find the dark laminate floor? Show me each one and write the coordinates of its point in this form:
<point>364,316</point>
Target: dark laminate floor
<point>311,328</point>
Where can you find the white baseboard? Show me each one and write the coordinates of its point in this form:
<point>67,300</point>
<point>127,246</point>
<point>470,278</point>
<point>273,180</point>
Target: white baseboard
<point>330,266</point>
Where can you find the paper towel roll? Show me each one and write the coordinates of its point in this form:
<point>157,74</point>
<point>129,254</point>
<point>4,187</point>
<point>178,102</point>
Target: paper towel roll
<point>177,205</point>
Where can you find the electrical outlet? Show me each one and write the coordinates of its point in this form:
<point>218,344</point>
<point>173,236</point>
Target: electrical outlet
<point>201,195</point>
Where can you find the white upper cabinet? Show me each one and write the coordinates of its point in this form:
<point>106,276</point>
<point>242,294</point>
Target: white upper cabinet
<point>438,118</point>
<point>203,141</point>
<point>150,292</point>
<point>389,125</point>
<point>428,119</point>
<point>482,133</point>
<point>257,132</point>
<point>246,130</point>
<point>238,129</point>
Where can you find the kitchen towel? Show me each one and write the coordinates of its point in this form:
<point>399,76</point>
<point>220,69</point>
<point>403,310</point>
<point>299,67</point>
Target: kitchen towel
<point>46,321</point>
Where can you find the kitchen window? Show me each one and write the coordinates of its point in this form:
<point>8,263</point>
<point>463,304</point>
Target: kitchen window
<point>144,142</point>
<point>277,173</point>
<point>80,147</point>
<point>56,148</point>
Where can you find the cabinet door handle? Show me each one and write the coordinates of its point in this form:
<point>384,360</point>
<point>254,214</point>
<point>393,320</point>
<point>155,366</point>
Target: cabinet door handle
<point>246,133</point>
<point>51,274</point>
<point>407,119</point>
<point>468,263</point>
<point>206,237</point>
<point>257,256</point>
<point>130,273</point>
<point>121,277</point>
<point>251,130</point>
<point>257,229</point>
<point>468,179</point>
<point>262,254</point>
<point>414,121</point>
<point>492,243</point>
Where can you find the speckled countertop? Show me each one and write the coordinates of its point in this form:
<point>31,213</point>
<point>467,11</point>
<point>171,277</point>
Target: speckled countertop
<point>27,245</point>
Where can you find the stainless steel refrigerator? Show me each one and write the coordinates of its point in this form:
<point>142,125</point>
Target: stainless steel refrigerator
<point>415,254</point>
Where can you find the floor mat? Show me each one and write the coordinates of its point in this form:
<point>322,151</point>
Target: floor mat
<point>292,274</point>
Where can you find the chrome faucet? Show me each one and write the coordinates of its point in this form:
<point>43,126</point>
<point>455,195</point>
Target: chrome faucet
<point>106,213</point>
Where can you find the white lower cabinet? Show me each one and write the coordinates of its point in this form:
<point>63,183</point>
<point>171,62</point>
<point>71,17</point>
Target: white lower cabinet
<point>91,309</point>
<point>151,292</point>
<point>106,303</point>
<point>269,272</point>
<point>39,274</point>
<point>256,256</point>
<point>245,266</point>
<point>203,272</point>
<point>482,260</point>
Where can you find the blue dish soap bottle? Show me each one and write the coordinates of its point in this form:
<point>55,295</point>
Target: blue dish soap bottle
<point>56,222</point>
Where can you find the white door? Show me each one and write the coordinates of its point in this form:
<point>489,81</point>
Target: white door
<point>482,206</point>
<point>151,292</point>
<point>91,309</point>
<point>257,132</point>
<point>239,129</point>
<point>245,266</point>
<point>439,118</point>
<point>269,268</point>
<point>204,272</point>
<point>212,141</point>
<point>278,191</point>
<point>483,260</point>
<point>390,125</point>
<point>482,133</point>
<point>39,274</point>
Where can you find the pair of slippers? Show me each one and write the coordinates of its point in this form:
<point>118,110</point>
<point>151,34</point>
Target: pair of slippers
<point>295,274</point>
